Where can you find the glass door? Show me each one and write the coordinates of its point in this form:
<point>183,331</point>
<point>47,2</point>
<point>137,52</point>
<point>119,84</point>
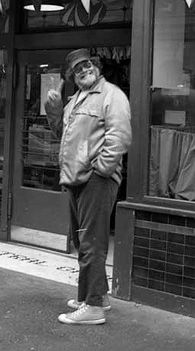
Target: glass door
<point>40,206</point>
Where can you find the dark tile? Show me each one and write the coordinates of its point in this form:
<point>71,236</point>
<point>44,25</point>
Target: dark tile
<point>156,275</point>
<point>173,289</point>
<point>190,240</point>
<point>190,251</point>
<point>174,258</point>
<point>174,268</point>
<point>140,262</point>
<point>158,245</point>
<point>177,220</point>
<point>189,261</point>
<point>158,265</point>
<point>190,222</point>
<point>189,282</point>
<point>176,238</point>
<point>173,279</point>
<point>189,272</point>
<point>158,235</point>
<point>145,216</point>
<point>188,292</point>
<point>175,248</point>
<point>155,284</point>
<point>140,272</point>
<point>141,242</point>
<point>144,232</point>
<point>140,282</point>
<point>159,217</point>
<point>158,255</point>
<point>141,251</point>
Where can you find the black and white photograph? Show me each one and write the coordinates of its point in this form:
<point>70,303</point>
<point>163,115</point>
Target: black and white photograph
<point>97,175</point>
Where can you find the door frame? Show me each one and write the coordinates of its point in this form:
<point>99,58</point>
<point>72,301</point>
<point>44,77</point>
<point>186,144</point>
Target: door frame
<point>25,211</point>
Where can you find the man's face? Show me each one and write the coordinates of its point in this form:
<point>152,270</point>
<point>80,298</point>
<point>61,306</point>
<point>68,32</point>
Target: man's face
<point>85,74</point>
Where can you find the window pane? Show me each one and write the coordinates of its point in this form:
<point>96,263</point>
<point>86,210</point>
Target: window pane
<point>172,147</point>
<point>75,14</point>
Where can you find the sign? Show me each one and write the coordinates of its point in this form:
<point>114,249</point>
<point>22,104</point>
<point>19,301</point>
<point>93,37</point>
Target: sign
<point>189,2</point>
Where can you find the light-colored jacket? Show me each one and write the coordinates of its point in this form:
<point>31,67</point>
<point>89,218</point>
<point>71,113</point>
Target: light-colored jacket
<point>96,132</point>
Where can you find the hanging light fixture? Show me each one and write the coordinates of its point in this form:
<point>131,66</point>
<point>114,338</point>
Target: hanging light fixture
<point>43,5</point>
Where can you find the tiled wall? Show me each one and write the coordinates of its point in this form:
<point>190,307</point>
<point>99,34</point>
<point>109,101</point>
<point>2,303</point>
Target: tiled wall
<point>164,253</point>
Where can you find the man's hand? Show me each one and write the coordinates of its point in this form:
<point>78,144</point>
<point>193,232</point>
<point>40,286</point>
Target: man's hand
<point>55,95</point>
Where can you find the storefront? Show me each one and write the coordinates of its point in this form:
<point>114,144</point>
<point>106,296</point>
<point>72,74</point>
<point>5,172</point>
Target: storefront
<point>157,220</point>
<point>147,48</point>
<point>35,42</point>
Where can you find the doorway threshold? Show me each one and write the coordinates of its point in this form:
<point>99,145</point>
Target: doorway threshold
<point>39,238</point>
<point>52,241</point>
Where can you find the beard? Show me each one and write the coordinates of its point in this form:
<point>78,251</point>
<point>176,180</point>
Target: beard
<point>87,79</point>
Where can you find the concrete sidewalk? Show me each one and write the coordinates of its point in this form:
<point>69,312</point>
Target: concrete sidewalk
<point>29,307</point>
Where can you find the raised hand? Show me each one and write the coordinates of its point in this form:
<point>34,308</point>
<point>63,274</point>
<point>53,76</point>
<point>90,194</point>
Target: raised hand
<point>55,94</point>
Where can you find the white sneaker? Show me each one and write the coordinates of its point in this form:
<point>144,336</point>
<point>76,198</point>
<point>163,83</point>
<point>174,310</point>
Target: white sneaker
<point>86,314</point>
<point>76,304</point>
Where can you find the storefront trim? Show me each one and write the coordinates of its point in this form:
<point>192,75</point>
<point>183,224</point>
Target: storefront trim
<point>71,39</point>
<point>158,208</point>
<point>123,252</point>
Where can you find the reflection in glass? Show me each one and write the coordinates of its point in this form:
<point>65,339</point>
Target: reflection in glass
<point>172,151</point>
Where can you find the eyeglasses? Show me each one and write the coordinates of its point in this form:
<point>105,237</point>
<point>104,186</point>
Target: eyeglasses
<point>79,67</point>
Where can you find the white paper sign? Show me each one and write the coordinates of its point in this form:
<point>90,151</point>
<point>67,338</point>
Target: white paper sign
<point>189,2</point>
<point>48,81</point>
<point>175,117</point>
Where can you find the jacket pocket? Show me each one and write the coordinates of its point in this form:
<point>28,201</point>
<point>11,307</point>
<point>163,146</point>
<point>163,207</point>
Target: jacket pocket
<point>89,112</point>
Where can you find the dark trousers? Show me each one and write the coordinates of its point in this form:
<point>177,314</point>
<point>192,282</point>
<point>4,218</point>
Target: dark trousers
<point>91,206</point>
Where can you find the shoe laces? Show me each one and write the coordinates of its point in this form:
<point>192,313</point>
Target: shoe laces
<point>80,310</point>
<point>82,305</point>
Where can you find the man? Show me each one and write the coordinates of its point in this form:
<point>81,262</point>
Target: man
<point>95,133</point>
